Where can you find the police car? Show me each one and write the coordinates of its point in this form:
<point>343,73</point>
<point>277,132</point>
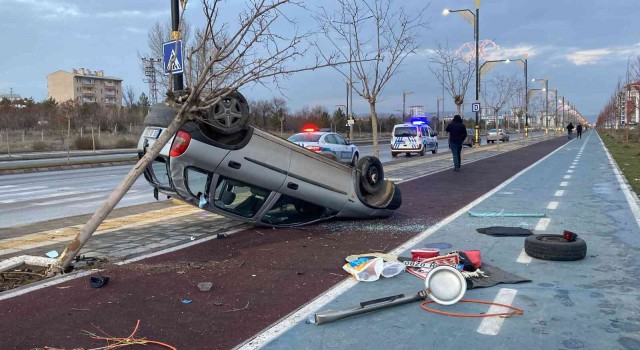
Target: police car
<point>416,136</point>
<point>329,144</point>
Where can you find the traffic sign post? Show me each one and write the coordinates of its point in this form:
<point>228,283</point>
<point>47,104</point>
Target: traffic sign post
<point>172,55</point>
<point>475,107</point>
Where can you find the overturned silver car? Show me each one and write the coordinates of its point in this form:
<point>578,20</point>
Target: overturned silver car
<point>223,165</point>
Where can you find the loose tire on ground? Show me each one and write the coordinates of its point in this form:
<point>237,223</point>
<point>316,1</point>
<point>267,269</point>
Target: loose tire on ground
<point>229,115</point>
<point>555,247</point>
<point>371,174</point>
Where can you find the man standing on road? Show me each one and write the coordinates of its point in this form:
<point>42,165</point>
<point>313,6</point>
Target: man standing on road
<point>457,133</point>
<point>569,130</point>
<point>579,131</point>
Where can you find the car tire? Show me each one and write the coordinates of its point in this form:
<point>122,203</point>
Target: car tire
<point>354,161</point>
<point>229,115</point>
<point>371,174</point>
<point>555,247</point>
<point>435,150</point>
<point>394,154</point>
<point>423,151</point>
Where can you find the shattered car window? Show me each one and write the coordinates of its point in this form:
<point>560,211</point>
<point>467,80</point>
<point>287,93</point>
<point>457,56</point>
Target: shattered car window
<point>305,138</point>
<point>239,198</point>
<point>288,210</point>
<point>196,181</point>
<point>159,172</point>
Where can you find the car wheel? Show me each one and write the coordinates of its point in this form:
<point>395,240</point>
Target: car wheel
<point>354,161</point>
<point>555,247</point>
<point>229,115</point>
<point>394,154</point>
<point>423,151</point>
<point>371,174</point>
<point>435,150</point>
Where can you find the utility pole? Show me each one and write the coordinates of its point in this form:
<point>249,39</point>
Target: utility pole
<point>150,73</point>
<point>178,85</point>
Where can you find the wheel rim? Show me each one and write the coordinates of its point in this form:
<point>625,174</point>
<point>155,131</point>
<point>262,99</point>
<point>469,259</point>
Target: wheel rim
<point>372,175</point>
<point>227,112</point>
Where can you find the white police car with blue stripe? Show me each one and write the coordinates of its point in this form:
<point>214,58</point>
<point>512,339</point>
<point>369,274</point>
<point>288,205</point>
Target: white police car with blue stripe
<point>327,143</point>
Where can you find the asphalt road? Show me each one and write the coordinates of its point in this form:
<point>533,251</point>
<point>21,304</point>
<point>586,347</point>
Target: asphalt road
<point>34,197</point>
<point>266,278</point>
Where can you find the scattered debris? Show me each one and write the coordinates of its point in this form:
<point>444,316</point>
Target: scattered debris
<point>116,343</point>
<point>246,307</point>
<point>503,231</point>
<point>205,286</point>
<point>556,247</point>
<point>98,282</point>
<point>186,301</point>
<point>52,254</point>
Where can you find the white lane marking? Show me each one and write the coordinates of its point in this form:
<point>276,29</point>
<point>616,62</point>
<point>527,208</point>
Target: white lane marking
<point>569,171</point>
<point>564,184</point>
<point>8,186</point>
<point>542,224</point>
<point>22,191</point>
<point>491,325</point>
<point>301,314</point>
<point>559,193</point>
<point>567,177</point>
<point>552,205</point>
<point>67,200</point>
<point>572,167</point>
<point>47,196</point>
<point>524,258</point>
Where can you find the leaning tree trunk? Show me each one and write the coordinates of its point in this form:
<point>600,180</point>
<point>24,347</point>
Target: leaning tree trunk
<point>374,129</point>
<point>73,248</point>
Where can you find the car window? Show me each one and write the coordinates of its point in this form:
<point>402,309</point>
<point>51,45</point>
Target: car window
<point>492,130</point>
<point>288,210</point>
<point>305,137</point>
<point>239,198</point>
<point>403,131</point>
<point>196,181</point>
<point>159,172</point>
<point>330,139</point>
<point>339,139</point>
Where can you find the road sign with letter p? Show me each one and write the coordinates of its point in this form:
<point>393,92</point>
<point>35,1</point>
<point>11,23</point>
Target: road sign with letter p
<point>475,107</point>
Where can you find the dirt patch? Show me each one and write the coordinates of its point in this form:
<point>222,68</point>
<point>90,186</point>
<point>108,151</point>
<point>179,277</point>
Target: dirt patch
<point>21,276</point>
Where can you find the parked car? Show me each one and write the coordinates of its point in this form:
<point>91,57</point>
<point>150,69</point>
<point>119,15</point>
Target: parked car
<point>414,137</point>
<point>471,138</point>
<point>494,135</point>
<point>329,144</point>
<point>219,163</point>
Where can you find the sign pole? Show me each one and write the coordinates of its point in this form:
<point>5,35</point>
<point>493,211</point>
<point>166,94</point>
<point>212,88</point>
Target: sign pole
<point>178,84</point>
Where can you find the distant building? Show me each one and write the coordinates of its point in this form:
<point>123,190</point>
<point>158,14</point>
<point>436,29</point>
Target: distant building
<point>416,111</point>
<point>85,86</point>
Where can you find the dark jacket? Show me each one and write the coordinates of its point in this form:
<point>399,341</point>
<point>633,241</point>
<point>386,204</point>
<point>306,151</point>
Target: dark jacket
<point>579,127</point>
<point>457,131</point>
<point>570,127</point>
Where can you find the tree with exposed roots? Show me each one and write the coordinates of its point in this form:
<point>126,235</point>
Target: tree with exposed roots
<point>242,49</point>
<point>375,36</point>
<point>453,72</point>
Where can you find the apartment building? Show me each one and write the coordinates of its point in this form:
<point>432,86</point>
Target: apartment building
<point>85,86</point>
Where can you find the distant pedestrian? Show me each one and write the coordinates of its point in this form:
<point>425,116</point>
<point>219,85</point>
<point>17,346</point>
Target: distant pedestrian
<point>570,130</point>
<point>457,134</point>
<point>579,131</point>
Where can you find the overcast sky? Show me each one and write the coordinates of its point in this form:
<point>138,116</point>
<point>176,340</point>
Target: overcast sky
<point>582,47</point>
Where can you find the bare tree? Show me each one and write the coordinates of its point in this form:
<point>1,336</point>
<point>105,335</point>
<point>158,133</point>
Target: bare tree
<point>376,36</point>
<point>500,90</point>
<point>249,54</point>
<point>128,96</point>
<point>453,72</point>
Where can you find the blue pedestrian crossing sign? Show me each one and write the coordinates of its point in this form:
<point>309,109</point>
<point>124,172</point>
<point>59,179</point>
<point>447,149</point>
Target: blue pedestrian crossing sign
<point>475,107</point>
<point>172,55</point>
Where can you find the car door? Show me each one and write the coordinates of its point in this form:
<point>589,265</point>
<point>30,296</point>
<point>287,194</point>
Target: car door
<point>331,143</point>
<point>346,151</point>
<point>430,144</point>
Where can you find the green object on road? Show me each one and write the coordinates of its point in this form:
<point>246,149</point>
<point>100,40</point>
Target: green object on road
<point>491,214</point>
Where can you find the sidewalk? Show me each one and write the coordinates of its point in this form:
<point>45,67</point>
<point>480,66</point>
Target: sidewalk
<point>261,274</point>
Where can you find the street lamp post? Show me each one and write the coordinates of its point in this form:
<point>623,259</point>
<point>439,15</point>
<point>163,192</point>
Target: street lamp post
<point>546,101</point>
<point>476,35</point>
<point>404,100</point>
